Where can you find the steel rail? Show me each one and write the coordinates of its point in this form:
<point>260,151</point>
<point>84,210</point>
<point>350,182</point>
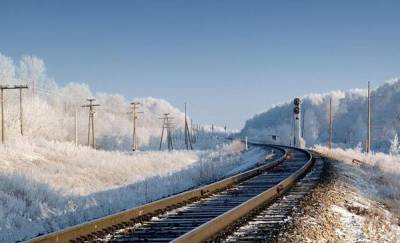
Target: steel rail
<point>108,223</point>
<point>214,226</point>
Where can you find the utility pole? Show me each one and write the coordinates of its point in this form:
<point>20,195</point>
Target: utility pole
<point>91,122</point>
<point>188,139</point>
<point>193,132</point>
<point>368,144</point>
<point>2,115</point>
<point>76,126</point>
<point>135,112</point>
<point>2,88</point>
<point>330,123</point>
<point>303,117</point>
<point>167,125</point>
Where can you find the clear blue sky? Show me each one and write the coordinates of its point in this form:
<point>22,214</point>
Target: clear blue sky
<point>227,59</point>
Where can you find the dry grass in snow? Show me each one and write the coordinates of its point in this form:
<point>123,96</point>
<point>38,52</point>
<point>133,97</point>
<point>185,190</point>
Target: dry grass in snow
<point>382,173</point>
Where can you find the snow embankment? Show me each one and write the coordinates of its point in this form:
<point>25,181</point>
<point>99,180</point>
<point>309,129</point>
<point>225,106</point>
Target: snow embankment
<point>382,173</point>
<point>352,203</point>
<point>46,186</point>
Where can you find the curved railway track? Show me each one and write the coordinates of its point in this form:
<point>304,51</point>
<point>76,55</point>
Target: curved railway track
<point>200,214</point>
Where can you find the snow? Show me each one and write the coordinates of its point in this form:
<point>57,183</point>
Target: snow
<point>381,173</point>
<point>46,186</point>
<point>352,224</point>
<point>349,118</point>
<point>345,207</point>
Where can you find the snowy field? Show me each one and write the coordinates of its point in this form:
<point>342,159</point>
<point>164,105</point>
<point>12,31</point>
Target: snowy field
<point>46,186</point>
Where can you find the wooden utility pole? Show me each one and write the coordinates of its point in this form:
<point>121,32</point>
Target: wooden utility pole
<point>188,139</point>
<point>2,88</point>
<point>330,123</point>
<point>135,112</point>
<point>76,126</point>
<point>2,115</point>
<point>92,112</point>
<point>368,143</point>
<point>193,128</point>
<point>303,115</point>
<point>167,125</point>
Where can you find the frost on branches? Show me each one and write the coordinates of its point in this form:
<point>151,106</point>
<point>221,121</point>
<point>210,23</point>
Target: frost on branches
<point>394,145</point>
<point>49,111</point>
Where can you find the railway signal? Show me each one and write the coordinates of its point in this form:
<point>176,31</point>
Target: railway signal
<point>91,130</point>
<point>297,120</point>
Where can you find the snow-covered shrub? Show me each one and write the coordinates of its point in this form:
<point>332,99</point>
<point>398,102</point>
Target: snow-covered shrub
<point>210,161</point>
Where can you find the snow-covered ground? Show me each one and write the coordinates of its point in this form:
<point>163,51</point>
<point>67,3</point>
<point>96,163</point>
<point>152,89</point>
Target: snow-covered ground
<point>381,172</point>
<point>355,203</point>
<point>46,186</point>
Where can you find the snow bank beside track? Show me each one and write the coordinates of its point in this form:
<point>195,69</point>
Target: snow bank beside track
<point>345,207</point>
<point>46,186</point>
<point>381,171</point>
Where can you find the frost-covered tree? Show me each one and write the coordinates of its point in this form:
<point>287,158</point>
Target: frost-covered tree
<point>51,113</point>
<point>7,70</point>
<point>31,70</point>
<point>394,145</point>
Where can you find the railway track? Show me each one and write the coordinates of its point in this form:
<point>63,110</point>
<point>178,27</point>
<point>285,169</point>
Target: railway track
<point>201,214</point>
<point>265,223</point>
